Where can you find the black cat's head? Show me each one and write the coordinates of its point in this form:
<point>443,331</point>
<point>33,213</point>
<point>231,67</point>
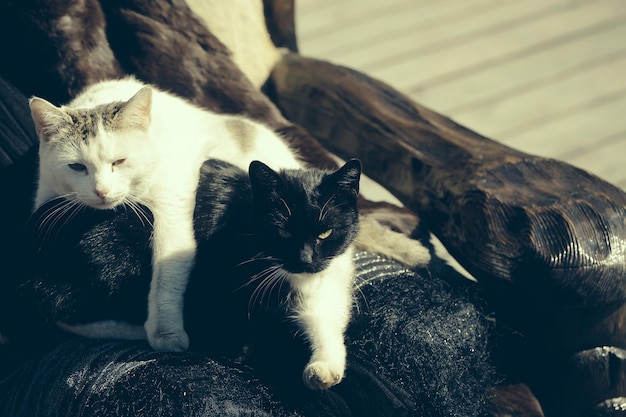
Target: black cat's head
<point>306,217</point>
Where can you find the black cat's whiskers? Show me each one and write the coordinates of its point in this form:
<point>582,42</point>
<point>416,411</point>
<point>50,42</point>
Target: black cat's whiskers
<point>270,277</point>
<point>327,208</point>
<point>323,211</point>
<point>357,289</point>
<point>273,275</point>
<point>260,276</point>
<point>258,257</point>
<point>287,207</point>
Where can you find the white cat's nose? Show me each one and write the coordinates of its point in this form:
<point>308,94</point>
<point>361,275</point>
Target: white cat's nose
<point>101,193</point>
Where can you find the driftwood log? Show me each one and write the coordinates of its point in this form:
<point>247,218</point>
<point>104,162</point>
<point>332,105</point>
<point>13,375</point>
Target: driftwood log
<point>511,217</point>
<point>546,241</point>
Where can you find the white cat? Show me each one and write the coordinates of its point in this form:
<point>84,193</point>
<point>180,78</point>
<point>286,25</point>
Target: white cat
<point>122,142</point>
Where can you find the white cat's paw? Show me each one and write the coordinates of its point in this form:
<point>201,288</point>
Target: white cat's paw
<point>322,375</point>
<point>170,340</point>
<point>380,239</point>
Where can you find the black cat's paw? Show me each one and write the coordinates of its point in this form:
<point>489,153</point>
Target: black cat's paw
<point>322,375</point>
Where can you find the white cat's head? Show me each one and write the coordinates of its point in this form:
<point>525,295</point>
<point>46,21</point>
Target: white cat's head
<point>100,156</point>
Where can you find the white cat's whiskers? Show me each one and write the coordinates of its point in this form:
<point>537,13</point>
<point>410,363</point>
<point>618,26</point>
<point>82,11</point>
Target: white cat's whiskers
<point>63,211</point>
<point>67,212</point>
<point>49,219</point>
<point>58,200</point>
<point>72,208</point>
<point>139,207</point>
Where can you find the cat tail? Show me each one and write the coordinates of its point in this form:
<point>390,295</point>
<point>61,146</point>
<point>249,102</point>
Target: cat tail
<point>379,239</point>
<point>106,329</point>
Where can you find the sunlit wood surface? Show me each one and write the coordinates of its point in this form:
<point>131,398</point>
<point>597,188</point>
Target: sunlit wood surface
<point>545,77</point>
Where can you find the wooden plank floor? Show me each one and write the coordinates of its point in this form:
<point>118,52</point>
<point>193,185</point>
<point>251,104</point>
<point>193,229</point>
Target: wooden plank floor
<point>545,77</point>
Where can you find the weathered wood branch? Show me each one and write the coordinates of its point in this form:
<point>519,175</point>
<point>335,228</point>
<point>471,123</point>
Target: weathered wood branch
<point>547,241</point>
<point>281,25</point>
<point>509,217</point>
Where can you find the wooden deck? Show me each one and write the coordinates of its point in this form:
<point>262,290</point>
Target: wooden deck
<point>545,77</point>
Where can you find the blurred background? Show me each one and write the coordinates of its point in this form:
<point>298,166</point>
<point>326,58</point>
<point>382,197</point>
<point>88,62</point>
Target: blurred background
<point>544,77</point>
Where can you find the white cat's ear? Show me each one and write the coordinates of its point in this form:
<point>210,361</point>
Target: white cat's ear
<point>137,112</point>
<point>47,117</point>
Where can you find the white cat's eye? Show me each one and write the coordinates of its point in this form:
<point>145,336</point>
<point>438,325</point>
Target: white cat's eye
<point>78,167</point>
<point>119,162</point>
<point>325,234</point>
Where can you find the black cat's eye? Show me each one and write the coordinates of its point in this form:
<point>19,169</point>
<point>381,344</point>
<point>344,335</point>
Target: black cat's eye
<point>78,167</point>
<point>284,233</point>
<point>325,234</point>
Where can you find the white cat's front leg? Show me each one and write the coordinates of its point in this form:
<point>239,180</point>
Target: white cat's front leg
<point>173,252</point>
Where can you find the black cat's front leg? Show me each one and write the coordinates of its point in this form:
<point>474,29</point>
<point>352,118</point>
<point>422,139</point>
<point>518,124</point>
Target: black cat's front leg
<point>328,362</point>
<point>323,310</point>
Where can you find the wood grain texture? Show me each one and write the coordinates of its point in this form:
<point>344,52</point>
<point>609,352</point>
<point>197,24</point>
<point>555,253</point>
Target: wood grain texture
<point>280,20</point>
<point>545,239</point>
<point>67,47</point>
<point>590,376</point>
<point>513,400</point>
<point>539,224</point>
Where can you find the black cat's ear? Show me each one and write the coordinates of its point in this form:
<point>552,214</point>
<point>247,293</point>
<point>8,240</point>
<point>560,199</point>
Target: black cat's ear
<point>48,118</point>
<point>348,176</point>
<point>262,177</point>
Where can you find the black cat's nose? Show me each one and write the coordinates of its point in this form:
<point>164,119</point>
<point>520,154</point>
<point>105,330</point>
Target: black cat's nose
<point>306,255</point>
